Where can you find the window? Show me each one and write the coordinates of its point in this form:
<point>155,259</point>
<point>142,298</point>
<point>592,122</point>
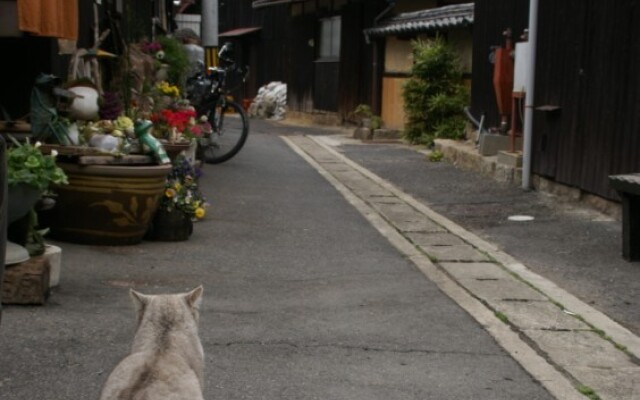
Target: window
<point>330,29</point>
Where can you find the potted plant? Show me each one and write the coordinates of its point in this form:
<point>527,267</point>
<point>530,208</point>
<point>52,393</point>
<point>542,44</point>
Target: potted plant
<point>365,117</point>
<point>29,175</point>
<point>363,114</point>
<point>181,204</point>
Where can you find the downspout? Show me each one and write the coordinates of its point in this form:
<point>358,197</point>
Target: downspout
<point>531,80</point>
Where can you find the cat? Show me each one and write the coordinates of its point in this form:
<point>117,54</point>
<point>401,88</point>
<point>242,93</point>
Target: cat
<point>166,359</point>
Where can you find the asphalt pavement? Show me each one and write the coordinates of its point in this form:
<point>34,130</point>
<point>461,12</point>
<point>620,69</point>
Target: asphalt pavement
<point>307,297</point>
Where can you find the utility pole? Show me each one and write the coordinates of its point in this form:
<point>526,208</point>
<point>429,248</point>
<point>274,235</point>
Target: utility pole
<point>210,32</point>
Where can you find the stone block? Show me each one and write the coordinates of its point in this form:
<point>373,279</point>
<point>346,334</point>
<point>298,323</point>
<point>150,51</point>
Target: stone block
<point>490,144</point>
<point>386,134</point>
<point>363,133</point>
<point>512,160</point>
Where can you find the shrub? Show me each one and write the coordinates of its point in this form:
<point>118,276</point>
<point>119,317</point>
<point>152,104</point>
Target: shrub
<point>176,56</point>
<point>435,95</point>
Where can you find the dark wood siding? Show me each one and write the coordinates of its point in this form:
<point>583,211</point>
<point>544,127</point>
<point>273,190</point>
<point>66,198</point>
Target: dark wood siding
<point>587,62</point>
<point>286,48</point>
<point>301,63</point>
<point>587,65</point>
<point>325,95</point>
<point>491,18</point>
<point>265,52</point>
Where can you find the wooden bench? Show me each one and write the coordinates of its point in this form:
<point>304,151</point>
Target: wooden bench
<point>628,187</point>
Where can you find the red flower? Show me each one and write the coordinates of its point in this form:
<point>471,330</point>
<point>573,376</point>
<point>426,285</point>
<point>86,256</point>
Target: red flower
<point>176,119</point>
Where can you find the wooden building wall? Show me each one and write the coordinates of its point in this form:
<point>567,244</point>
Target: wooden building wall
<point>287,51</point>
<point>588,66</point>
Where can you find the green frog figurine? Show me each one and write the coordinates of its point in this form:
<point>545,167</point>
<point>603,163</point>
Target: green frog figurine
<point>142,130</point>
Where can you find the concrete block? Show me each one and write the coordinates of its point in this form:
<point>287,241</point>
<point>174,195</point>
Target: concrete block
<point>491,143</point>
<point>512,160</point>
<point>386,134</point>
<point>363,133</point>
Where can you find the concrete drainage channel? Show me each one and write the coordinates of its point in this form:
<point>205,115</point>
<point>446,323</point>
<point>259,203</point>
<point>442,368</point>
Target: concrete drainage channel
<point>571,348</point>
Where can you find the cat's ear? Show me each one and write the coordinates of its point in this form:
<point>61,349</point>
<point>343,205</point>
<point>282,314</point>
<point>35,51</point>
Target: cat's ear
<point>140,302</point>
<point>194,297</point>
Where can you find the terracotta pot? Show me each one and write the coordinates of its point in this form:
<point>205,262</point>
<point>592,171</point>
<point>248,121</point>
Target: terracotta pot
<point>106,204</point>
<point>175,149</point>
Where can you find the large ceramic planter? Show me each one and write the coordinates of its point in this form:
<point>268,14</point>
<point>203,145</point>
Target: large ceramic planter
<point>106,204</point>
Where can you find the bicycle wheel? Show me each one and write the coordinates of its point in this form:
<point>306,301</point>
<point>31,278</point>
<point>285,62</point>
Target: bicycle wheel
<point>230,130</point>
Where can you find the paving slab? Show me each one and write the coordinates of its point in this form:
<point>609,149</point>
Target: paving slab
<point>460,252</point>
<point>434,238</point>
<point>537,315</point>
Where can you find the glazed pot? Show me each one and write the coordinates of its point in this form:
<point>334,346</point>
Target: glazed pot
<point>106,204</point>
<point>170,226</point>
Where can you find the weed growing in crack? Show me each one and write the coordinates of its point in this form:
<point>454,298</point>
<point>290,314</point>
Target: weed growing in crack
<point>587,391</point>
<point>502,317</point>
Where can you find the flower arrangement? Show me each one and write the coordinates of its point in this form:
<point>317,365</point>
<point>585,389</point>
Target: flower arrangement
<point>28,165</point>
<point>182,192</point>
<point>166,89</point>
<point>179,123</point>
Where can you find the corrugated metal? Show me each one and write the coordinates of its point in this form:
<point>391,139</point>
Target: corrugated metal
<point>424,21</point>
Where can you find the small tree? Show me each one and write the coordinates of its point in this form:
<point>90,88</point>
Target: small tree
<point>435,95</point>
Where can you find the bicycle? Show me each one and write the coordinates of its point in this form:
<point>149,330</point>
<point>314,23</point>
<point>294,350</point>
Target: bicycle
<point>229,121</point>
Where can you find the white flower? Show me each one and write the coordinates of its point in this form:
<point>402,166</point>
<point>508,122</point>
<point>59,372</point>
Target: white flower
<point>204,118</point>
<point>160,55</point>
<point>38,144</point>
<point>54,153</point>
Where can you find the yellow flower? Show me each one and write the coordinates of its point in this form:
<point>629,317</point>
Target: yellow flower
<point>169,193</point>
<point>200,212</point>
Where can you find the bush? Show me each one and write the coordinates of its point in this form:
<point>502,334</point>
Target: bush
<point>176,56</point>
<point>435,95</point>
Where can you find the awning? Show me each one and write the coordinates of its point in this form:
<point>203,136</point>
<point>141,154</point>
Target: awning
<point>239,32</point>
<point>433,19</point>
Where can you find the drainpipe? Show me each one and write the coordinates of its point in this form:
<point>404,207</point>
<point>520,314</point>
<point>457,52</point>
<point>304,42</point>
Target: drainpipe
<point>531,80</point>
